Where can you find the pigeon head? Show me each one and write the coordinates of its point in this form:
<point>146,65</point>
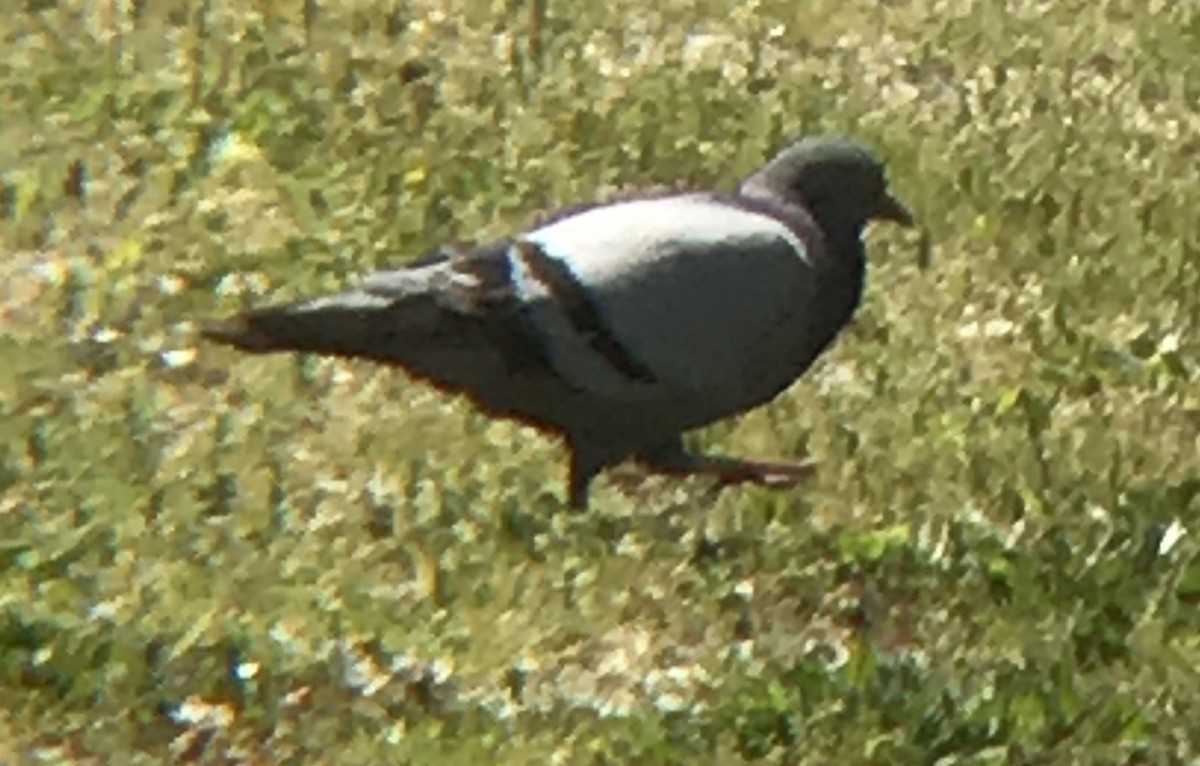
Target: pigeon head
<point>839,180</point>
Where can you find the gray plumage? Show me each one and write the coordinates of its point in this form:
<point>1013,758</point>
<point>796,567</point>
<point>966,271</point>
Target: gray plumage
<point>619,326</point>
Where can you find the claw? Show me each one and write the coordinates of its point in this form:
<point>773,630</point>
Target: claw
<point>673,459</point>
<point>767,473</point>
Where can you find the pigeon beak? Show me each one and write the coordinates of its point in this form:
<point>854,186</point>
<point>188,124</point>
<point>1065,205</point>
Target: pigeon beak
<point>892,209</point>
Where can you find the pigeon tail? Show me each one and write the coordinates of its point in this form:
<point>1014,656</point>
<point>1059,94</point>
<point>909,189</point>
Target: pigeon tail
<point>351,324</point>
<point>454,322</point>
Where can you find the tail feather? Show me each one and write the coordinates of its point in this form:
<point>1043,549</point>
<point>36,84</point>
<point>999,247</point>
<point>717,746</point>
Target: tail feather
<point>241,332</point>
<point>417,332</point>
<point>454,322</point>
<point>352,324</point>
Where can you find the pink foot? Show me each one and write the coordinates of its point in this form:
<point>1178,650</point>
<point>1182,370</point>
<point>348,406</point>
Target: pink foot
<point>767,473</point>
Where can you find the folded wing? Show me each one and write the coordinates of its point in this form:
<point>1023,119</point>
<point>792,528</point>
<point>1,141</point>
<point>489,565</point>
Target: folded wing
<point>677,295</point>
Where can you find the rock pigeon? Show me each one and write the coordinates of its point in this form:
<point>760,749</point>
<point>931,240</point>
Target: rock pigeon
<point>620,325</point>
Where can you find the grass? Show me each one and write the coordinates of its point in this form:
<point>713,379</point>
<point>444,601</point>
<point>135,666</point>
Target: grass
<point>212,559</point>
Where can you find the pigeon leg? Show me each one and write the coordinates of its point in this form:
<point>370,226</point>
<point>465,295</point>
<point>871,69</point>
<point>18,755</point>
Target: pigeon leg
<point>672,458</point>
<point>585,463</point>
